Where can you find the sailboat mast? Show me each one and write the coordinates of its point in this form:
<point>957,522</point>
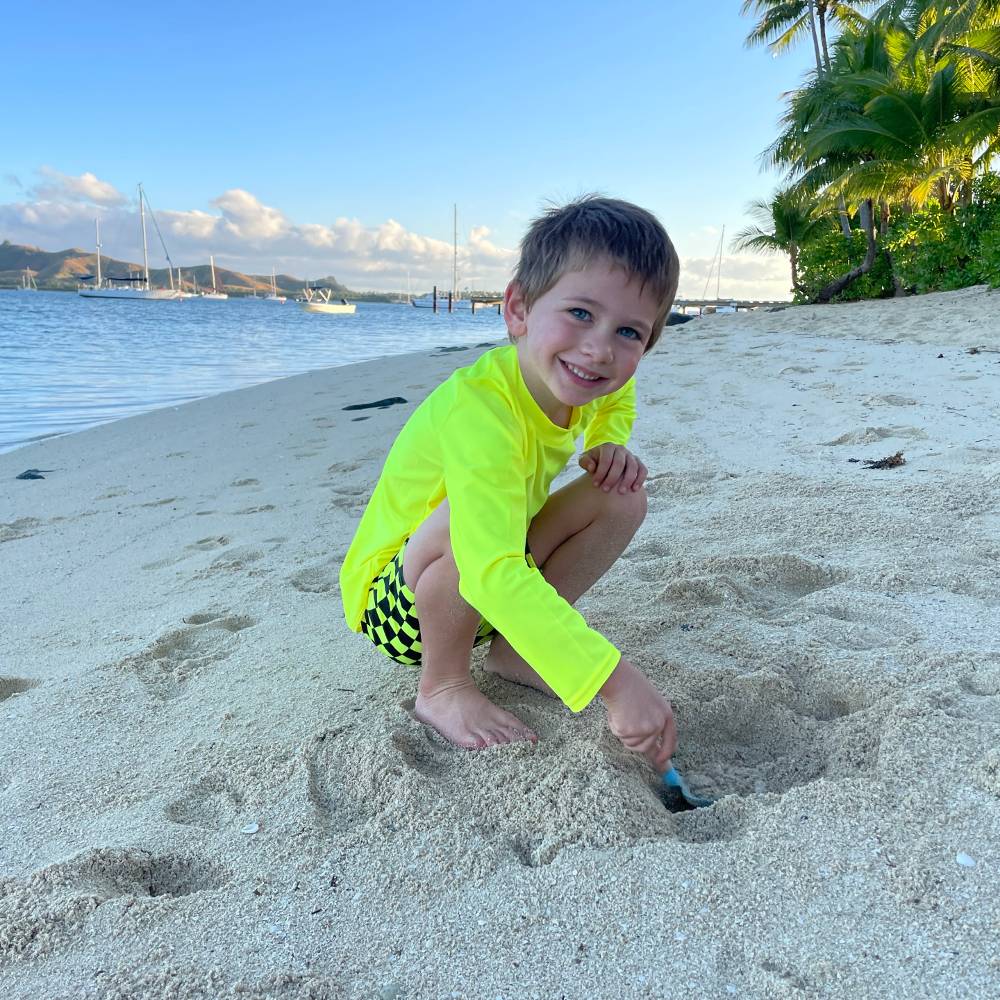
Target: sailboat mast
<point>211,260</point>
<point>718,273</point>
<point>97,226</point>
<point>142,224</point>
<point>454,260</point>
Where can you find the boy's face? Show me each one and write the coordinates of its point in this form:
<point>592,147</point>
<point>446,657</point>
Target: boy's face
<point>582,339</point>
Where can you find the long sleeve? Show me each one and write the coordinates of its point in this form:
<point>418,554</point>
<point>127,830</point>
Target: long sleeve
<point>613,419</point>
<point>485,471</point>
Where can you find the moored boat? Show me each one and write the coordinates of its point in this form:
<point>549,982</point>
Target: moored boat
<point>133,286</point>
<point>214,293</point>
<point>274,296</point>
<point>318,301</point>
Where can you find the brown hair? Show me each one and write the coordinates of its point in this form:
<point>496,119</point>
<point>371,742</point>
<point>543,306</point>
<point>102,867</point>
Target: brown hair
<point>569,237</point>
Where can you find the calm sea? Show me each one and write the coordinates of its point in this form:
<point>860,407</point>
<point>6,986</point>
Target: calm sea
<point>67,363</point>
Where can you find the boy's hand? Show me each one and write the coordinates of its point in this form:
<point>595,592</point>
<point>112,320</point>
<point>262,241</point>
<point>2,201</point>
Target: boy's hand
<point>639,715</point>
<point>613,465</point>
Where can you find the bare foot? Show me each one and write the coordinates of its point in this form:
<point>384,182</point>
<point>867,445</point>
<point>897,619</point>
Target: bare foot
<point>504,662</point>
<point>463,715</point>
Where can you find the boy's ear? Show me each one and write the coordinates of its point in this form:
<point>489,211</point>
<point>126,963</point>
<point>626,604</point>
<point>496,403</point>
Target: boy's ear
<point>515,310</point>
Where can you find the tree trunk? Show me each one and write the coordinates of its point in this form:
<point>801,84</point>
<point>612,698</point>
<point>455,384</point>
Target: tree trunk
<point>838,285</point>
<point>812,26</point>
<point>898,291</point>
<point>845,219</point>
<point>821,17</point>
<point>793,253</point>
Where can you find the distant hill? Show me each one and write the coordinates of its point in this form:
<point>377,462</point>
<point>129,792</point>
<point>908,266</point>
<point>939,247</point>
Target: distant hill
<point>61,270</point>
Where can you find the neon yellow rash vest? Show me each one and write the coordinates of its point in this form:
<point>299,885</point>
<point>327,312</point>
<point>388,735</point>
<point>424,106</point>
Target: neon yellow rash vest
<point>482,441</point>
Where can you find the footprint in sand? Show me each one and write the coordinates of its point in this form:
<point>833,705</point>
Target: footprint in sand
<point>889,399</point>
<point>350,498</point>
<point>21,528</point>
<point>50,908</point>
<point>245,482</point>
<point>872,435</point>
<point>235,560</point>
<point>183,654</point>
<point>339,468</point>
<point>214,802</point>
<point>320,579</point>
<point>207,544</point>
<point>338,781</point>
<point>10,686</point>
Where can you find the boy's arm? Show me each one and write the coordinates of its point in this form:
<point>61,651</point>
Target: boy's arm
<point>485,475</point>
<point>613,419</point>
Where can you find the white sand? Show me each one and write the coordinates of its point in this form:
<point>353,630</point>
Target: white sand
<point>175,673</point>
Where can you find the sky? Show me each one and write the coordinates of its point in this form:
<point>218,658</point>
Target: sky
<point>335,138</point>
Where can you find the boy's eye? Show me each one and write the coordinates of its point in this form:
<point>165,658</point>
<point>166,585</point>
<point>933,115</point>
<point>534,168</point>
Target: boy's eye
<point>630,333</point>
<point>579,313</point>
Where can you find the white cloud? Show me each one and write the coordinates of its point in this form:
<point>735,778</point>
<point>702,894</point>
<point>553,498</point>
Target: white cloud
<point>56,186</point>
<point>743,276</point>
<point>246,235</point>
<point>247,219</point>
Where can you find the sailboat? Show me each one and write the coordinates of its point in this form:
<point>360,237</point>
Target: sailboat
<point>180,287</point>
<point>457,302</point>
<point>132,287</point>
<point>28,282</point>
<point>274,296</point>
<point>214,293</point>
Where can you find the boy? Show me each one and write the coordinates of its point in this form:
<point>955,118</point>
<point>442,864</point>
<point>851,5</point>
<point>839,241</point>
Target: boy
<point>461,543</point>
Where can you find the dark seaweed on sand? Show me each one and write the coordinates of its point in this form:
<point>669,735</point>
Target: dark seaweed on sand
<point>887,463</point>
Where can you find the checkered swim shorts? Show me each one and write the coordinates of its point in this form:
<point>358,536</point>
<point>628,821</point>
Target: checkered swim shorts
<point>390,618</point>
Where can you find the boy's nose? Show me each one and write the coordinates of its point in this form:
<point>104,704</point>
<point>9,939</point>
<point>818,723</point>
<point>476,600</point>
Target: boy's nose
<point>599,347</point>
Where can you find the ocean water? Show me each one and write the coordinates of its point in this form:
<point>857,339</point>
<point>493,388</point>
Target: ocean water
<point>68,363</point>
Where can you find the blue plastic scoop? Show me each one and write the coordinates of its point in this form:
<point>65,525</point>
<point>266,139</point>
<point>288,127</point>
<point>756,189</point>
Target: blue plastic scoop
<point>678,796</point>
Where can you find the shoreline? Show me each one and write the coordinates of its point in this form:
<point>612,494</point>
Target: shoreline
<point>210,787</point>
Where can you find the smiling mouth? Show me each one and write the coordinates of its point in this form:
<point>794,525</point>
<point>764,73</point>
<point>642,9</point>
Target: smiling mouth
<point>581,374</point>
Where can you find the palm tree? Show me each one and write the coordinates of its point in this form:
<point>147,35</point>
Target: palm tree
<point>903,109</point>
<point>784,22</point>
<point>923,130</point>
<point>790,222</point>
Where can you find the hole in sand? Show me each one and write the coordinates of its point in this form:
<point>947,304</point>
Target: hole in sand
<point>10,686</point>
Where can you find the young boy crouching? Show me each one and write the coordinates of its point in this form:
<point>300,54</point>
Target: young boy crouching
<point>461,543</point>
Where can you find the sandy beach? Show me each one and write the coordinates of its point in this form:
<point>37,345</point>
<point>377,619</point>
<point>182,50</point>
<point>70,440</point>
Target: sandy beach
<point>210,788</point>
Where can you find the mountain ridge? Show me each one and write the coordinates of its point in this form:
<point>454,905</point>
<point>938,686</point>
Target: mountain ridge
<point>62,270</point>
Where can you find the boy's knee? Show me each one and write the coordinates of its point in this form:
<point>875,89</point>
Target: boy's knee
<point>627,508</point>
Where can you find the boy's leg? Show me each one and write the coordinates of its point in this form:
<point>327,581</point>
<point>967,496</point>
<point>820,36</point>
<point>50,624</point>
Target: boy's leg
<point>447,697</point>
<point>574,539</point>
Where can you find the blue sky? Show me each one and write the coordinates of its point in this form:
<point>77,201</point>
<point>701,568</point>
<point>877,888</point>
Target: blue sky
<point>334,138</point>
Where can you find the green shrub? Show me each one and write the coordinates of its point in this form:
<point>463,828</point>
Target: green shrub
<point>831,255</point>
<point>933,251</point>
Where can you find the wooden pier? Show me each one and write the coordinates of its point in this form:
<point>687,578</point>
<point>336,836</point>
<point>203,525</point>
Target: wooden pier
<point>475,304</point>
<point>700,307</point>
